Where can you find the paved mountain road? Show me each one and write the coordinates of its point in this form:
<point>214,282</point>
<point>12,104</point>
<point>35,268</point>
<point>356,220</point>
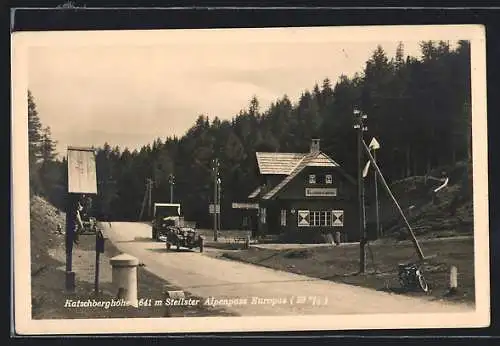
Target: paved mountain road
<point>206,276</point>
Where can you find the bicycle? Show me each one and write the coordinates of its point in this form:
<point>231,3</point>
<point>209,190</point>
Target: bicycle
<point>411,277</point>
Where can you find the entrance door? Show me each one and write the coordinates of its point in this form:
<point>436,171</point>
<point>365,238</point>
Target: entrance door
<point>273,218</point>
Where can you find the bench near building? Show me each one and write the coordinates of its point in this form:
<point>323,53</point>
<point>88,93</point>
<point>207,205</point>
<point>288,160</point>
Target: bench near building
<point>305,197</point>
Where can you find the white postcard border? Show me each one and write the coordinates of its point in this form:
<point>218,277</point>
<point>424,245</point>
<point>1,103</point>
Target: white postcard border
<point>22,41</point>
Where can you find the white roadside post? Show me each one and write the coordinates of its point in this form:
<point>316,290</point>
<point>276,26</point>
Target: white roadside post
<point>453,280</point>
<point>124,277</point>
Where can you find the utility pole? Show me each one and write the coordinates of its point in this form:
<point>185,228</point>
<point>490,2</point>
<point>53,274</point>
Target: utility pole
<point>386,186</point>
<point>374,146</point>
<point>143,205</point>
<point>359,118</point>
<point>215,169</point>
<point>69,237</point>
<point>147,199</point>
<point>150,188</point>
<point>171,180</point>
<point>219,203</point>
<point>377,216</point>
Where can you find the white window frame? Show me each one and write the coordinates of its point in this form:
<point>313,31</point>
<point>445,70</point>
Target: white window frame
<point>328,179</point>
<point>263,215</point>
<point>283,217</point>
<point>312,178</point>
<point>320,218</point>
<point>326,218</point>
<point>315,219</point>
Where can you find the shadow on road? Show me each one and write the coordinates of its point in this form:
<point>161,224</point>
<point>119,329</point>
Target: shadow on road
<point>137,240</point>
<point>339,276</point>
<point>144,239</point>
<point>164,250</point>
<point>410,293</point>
<point>252,283</point>
<point>396,290</point>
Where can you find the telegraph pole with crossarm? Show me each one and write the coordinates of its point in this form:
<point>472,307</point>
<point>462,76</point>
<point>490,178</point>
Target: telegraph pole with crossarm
<point>171,181</point>
<point>359,125</point>
<point>215,170</point>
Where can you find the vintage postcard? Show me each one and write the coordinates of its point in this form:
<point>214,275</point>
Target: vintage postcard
<point>235,180</point>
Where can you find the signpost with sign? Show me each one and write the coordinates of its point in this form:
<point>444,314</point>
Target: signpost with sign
<point>236,205</point>
<point>214,209</point>
<point>82,177</point>
<point>99,248</point>
<point>82,180</point>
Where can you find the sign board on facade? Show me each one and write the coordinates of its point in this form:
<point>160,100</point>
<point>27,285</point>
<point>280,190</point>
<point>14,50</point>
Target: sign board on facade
<point>321,192</point>
<point>211,209</point>
<point>82,176</point>
<point>245,206</point>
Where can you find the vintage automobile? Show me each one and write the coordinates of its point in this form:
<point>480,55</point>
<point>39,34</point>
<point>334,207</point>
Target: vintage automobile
<point>169,226</point>
<point>165,215</point>
<point>90,224</point>
<point>181,236</point>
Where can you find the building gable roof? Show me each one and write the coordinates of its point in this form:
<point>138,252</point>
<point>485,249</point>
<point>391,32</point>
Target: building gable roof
<point>317,159</point>
<point>321,160</point>
<point>278,163</point>
<point>254,193</point>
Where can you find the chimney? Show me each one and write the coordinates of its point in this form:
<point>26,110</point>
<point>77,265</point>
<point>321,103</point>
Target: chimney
<point>315,145</point>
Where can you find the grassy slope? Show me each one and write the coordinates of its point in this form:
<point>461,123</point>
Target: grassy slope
<point>48,277</point>
<point>340,264</point>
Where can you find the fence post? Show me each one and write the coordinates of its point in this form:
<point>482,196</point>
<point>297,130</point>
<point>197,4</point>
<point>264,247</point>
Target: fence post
<point>247,242</point>
<point>99,248</point>
<point>337,238</point>
<point>124,277</point>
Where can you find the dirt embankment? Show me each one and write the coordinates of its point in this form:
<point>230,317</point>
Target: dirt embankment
<point>48,275</point>
<point>448,212</point>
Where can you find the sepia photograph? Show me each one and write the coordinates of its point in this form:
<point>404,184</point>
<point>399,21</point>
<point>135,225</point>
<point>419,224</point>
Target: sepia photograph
<point>271,179</point>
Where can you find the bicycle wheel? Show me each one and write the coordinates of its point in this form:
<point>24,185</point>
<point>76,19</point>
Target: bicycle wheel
<point>422,282</point>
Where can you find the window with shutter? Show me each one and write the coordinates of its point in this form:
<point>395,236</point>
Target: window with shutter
<point>263,215</point>
<point>312,179</point>
<point>328,179</point>
<point>283,217</point>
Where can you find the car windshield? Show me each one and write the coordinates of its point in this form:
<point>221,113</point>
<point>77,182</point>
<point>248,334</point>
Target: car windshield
<point>169,222</point>
<point>162,213</point>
